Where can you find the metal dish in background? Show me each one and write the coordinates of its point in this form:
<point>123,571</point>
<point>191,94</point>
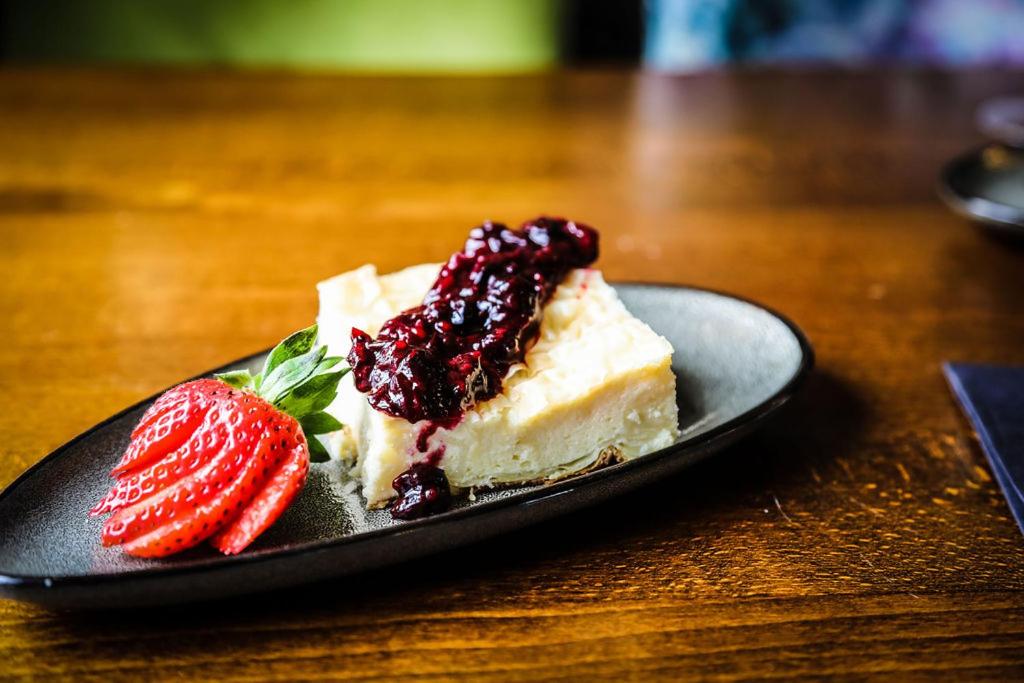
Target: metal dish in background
<point>987,184</point>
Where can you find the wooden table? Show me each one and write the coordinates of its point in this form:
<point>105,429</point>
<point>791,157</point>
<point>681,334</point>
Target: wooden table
<point>155,224</point>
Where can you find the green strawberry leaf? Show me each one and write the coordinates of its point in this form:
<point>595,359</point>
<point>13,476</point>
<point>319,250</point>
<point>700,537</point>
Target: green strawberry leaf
<point>311,396</point>
<point>291,373</point>
<point>295,345</point>
<point>317,452</point>
<point>328,363</point>
<point>298,379</point>
<point>239,379</point>
<point>319,423</point>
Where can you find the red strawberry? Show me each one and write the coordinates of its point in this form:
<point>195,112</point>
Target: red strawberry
<point>168,423</point>
<point>280,490</point>
<point>147,480</point>
<point>221,459</point>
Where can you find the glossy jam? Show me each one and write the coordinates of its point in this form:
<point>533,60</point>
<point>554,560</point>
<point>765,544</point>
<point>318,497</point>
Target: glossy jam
<point>422,490</point>
<point>435,361</point>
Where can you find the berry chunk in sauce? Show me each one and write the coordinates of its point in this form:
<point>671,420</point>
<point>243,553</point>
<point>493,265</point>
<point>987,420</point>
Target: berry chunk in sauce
<point>437,360</point>
<point>422,490</point>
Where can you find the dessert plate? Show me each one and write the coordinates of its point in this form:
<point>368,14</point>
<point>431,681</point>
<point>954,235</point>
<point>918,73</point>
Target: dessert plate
<point>736,363</point>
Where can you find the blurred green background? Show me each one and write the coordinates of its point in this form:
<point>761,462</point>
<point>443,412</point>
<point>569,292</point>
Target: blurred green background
<point>369,35</point>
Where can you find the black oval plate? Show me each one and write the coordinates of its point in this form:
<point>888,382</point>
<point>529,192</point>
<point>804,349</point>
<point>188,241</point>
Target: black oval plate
<point>987,184</point>
<point>736,364</point>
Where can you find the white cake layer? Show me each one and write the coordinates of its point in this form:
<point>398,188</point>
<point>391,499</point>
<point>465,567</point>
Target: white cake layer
<point>598,381</point>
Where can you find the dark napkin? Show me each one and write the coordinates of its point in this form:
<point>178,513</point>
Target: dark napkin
<point>992,396</point>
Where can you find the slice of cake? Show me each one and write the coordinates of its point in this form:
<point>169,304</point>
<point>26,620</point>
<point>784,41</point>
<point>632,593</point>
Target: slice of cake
<point>596,388</point>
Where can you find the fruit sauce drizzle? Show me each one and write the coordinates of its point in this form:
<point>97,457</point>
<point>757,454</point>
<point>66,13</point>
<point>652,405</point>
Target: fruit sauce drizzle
<point>436,361</point>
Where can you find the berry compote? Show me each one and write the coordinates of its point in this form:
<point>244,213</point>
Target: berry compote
<point>437,360</point>
<point>422,490</point>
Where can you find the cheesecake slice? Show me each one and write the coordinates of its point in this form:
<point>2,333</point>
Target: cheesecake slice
<point>597,387</point>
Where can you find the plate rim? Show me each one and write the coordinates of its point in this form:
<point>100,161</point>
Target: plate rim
<point>12,582</point>
<point>993,214</point>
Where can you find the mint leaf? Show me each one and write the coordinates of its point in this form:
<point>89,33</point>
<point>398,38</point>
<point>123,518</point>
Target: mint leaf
<point>295,345</point>
<point>311,396</point>
<point>319,423</point>
<point>239,379</point>
<point>317,452</point>
<point>291,373</point>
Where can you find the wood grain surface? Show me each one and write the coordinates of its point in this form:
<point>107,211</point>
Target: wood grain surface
<point>158,223</point>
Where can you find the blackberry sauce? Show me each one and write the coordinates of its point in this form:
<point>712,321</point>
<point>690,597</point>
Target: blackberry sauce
<point>437,360</point>
<point>422,490</point>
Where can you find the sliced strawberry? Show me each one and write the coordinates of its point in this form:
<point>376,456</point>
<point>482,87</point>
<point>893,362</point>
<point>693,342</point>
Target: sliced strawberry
<point>195,391</point>
<point>275,496</point>
<point>131,486</point>
<point>243,422</point>
<point>170,398</point>
<point>155,511</point>
<point>216,454</point>
<point>198,523</point>
<point>166,432</point>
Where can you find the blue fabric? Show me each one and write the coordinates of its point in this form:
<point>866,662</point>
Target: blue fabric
<point>688,35</point>
<point>993,399</point>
